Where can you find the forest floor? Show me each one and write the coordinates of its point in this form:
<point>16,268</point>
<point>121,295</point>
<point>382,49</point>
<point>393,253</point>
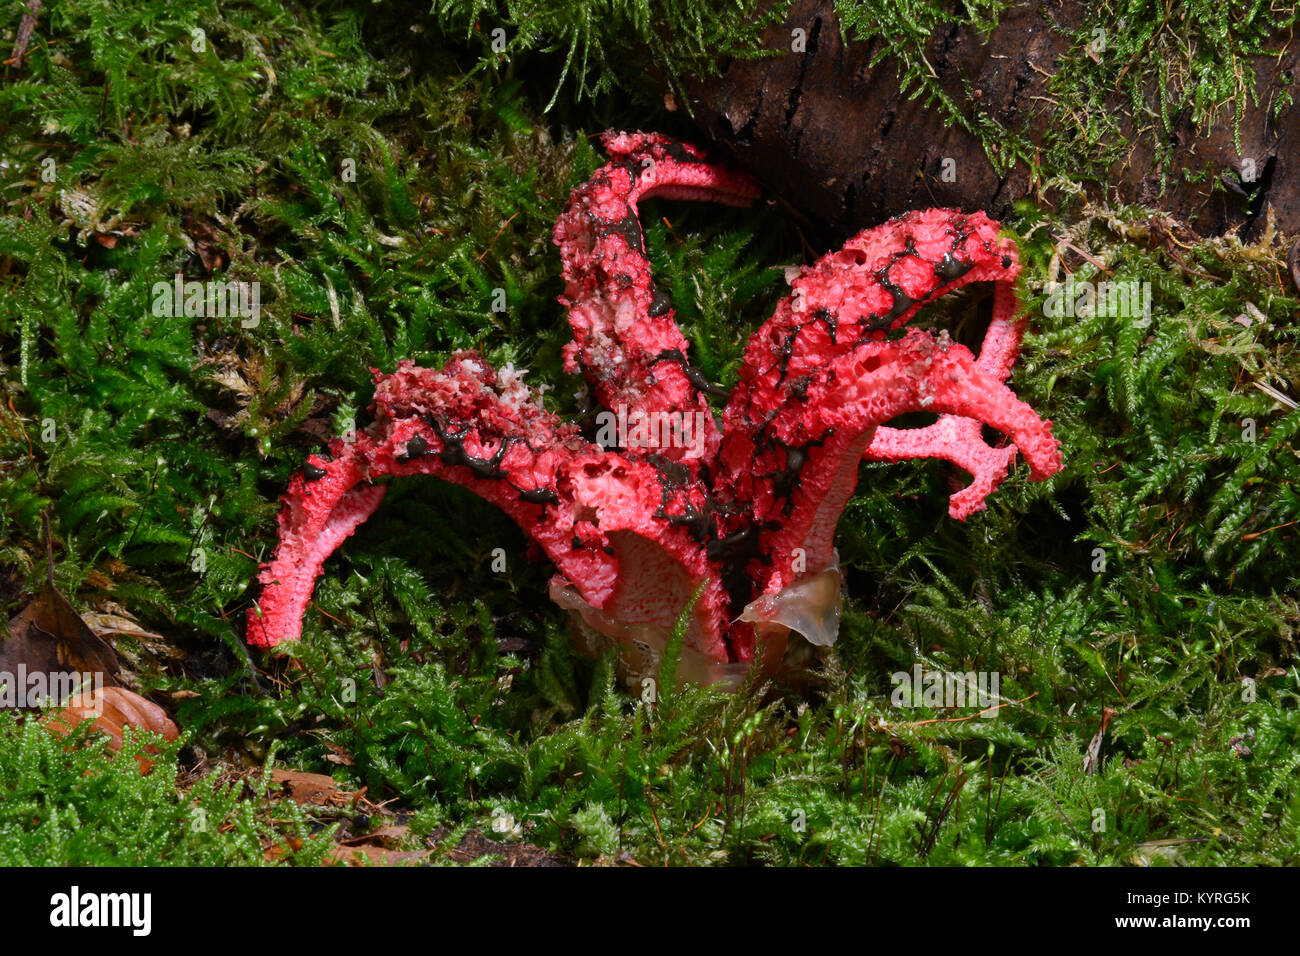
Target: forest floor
<point>386,176</point>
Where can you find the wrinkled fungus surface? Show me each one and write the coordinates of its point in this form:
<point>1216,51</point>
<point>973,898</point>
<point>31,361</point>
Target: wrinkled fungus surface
<point>746,510</point>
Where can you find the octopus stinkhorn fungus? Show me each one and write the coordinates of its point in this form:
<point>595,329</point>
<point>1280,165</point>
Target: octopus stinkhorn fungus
<point>742,509</point>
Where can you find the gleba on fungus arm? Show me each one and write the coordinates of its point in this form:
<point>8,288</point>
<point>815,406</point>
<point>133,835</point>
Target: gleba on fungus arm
<point>589,509</point>
<point>749,518</point>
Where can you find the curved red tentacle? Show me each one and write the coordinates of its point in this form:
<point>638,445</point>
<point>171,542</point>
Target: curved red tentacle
<point>625,335</point>
<point>959,440</point>
<point>800,468</point>
<point>593,512</point>
<point>634,533</point>
<point>788,428</point>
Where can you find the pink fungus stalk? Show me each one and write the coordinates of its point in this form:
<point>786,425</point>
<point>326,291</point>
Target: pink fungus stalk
<point>747,512</point>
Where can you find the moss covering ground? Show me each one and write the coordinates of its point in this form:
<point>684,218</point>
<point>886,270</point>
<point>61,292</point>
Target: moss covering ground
<point>1154,577</point>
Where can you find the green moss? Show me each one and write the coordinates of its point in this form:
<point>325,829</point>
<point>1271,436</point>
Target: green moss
<point>73,804</point>
<point>1132,66</point>
<point>160,446</point>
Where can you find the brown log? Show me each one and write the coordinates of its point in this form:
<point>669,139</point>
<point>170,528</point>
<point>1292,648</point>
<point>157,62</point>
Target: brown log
<point>838,139</point>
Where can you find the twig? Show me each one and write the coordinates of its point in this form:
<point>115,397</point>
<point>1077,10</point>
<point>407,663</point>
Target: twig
<point>1092,759</point>
<point>31,453</point>
<point>1274,394</point>
<point>496,237</point>
<point>1255,534</point>
<point>25,28</point>
<point>1086,255</point>
<point>987,710</point>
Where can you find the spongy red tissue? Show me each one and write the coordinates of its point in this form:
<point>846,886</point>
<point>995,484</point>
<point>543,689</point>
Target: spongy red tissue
<point>746,512</point>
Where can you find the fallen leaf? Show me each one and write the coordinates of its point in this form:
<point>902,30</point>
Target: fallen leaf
<point>278,851</point>
<point>373,855</point>
<point>336,753</point>
<point>207,240</point>
<point>49,638</point>
<point>49,635</point>
<point>113,709</point>
<point>111,622</point>
<point>312,789</point>
<point>106,625</point>
<point>385,836</point>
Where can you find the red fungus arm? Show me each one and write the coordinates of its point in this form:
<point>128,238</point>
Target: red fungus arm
<point>959,440</point>
<point>633,534</point>
<point>323,505</point>
<point>807,395</point>
<point>619,530</point>
<point>625,335</point>
<point>800,469</point>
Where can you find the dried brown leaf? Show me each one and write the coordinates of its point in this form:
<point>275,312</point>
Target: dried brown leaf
<point>113,709</point>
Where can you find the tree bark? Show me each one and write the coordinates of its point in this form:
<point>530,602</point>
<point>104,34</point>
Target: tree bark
<point>838,139</point>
